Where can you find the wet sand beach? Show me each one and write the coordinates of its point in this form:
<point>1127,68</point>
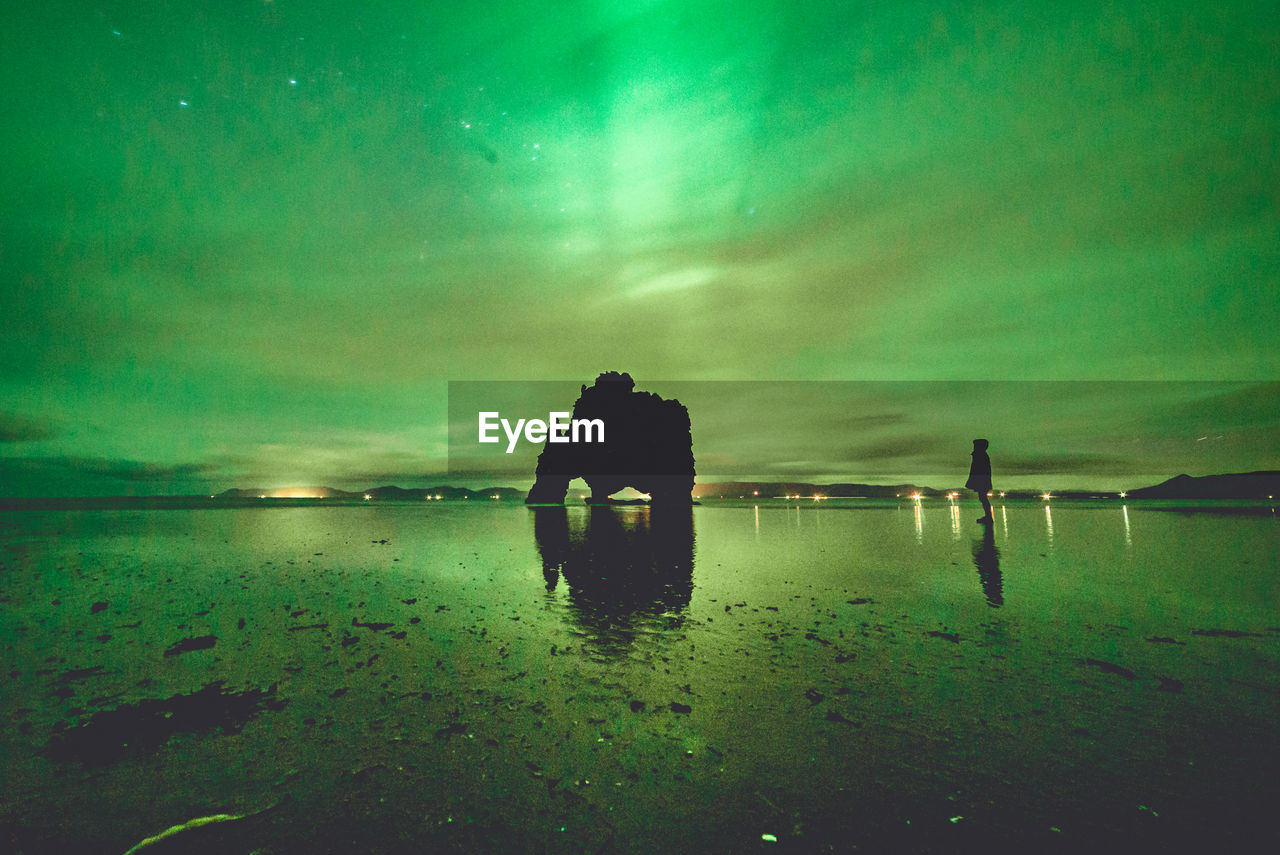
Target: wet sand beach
<point>800,677</point>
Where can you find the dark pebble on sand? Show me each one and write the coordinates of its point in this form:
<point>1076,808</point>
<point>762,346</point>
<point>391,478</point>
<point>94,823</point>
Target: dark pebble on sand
<point>376,627</point>
<point>201,642</point>
<point>77,674</point>
<point>446,732</point>
<point>1109,668</point>
<point>1227,633</point>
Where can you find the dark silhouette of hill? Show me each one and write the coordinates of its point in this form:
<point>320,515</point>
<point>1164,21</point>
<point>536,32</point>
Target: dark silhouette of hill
<point>286,492</point>
<point>1243,485</point>
<point>773,489</point>
<point>418,494</point>
<point>386,493</point>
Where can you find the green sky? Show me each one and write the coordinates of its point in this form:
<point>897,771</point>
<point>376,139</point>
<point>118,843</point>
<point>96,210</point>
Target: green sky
<point>249,243</point>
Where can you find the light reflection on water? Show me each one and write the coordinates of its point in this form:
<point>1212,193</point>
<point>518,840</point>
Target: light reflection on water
<point>1034,564</point>
<point>592,550</point>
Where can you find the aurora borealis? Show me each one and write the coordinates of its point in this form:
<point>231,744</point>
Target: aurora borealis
<point>249,243</point>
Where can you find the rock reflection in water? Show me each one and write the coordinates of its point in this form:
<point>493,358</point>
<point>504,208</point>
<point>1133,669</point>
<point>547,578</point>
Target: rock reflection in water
<point>628,570</point>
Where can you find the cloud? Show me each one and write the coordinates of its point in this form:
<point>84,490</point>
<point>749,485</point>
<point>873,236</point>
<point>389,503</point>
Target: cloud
<point>19,428</point>
<point>897,448</point>
<point>872,420</point>
<point>102,467</point>
<point>1228,406</point>
<point>1058,464</point>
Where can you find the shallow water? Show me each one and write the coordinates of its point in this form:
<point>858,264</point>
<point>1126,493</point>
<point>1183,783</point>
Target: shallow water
<point>839,675</point>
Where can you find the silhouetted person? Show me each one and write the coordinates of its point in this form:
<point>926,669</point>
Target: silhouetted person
<point>980,477</point>
<point>987,559</point>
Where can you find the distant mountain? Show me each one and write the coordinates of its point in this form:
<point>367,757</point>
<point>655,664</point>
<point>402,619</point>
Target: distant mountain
<point>387,493</point>
<point>286,493</point>
<point>417,494</point>
<point>1244,485</point>
<point>773,489</point>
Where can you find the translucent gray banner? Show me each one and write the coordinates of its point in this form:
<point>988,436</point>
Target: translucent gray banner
<point>1088,432</point>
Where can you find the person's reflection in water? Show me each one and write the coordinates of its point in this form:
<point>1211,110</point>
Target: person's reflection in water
<point>628,569</point>
<point>986,557</point>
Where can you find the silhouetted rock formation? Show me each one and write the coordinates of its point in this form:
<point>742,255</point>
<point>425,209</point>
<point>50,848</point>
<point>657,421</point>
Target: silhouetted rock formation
<point>647,446</point>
